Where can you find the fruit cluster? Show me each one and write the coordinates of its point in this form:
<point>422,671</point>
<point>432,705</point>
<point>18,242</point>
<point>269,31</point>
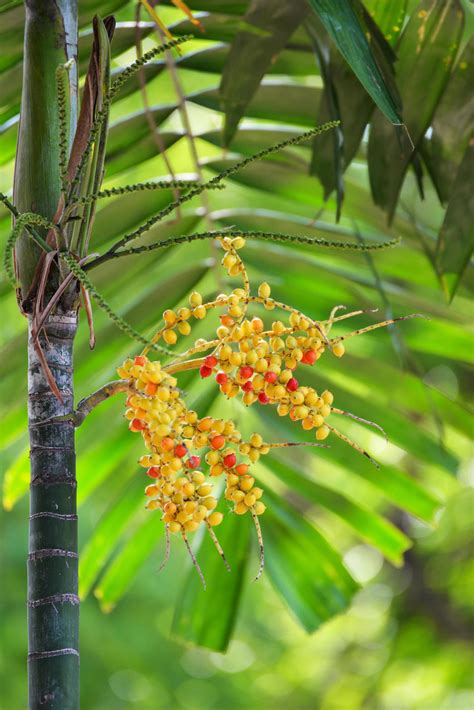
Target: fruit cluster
<point>246,358</point>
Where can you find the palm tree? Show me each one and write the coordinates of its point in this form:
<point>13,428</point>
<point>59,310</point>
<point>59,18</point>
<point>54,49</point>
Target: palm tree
<point>273,195</point>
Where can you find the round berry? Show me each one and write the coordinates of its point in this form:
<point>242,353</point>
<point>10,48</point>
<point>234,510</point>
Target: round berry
<point>247,386</point>
<point>271,377</point>
<point>309,357</point>
<point>246,372</point>
<point>292,384</point>
<point>154,472</point>
<point>263,398</point>
<point>136,425</point>
<point>218,442</point>
<point>210,361</point>
<point>140,360</point>
<point>193,462</point>
<point>230,460</point>
<point>180,451</point>
<point>221,378</point>
<point>205,371</point>
<point>167,443</point>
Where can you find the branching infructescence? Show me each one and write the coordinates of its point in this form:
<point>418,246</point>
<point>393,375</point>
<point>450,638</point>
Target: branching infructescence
<point>249,358</point>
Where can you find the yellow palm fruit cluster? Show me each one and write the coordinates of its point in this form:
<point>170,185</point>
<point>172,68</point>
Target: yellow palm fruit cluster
<point>171,432</point>
<point>244,494</point>
<point>249,357</point>
<point>186,502</point>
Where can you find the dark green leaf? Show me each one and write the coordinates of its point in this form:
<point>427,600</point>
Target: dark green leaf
<point>268,26</point>
<point>452,125</point>
<point>423,69</point>
<point>456,237</point>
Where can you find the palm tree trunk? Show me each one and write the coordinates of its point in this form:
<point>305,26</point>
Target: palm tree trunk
<point>53,604</point>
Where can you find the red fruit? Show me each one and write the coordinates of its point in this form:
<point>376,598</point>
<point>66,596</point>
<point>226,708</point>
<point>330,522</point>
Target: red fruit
<point>154,472</point>
<point>292,385</point>
<point>221,378</point>
<point>180,451</point>
<point>309,357</point>
<point>245,372</point>
<point>230,460</point>
<point>193,461</point>
<point>210,361</point>
<point>263,398</point>
<point>140,360</point>
<point>247,386</point>
<point>241,469</point>
<point>271,377</point>
<point>205,371</point>
<point>218,442</point>
<point>137,425</point>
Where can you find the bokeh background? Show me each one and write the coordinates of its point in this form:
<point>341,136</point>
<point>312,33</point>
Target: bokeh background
<point>405,640</point>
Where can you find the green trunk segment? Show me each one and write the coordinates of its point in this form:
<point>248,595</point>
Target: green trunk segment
<point>53,602</point>
<point>50,40</point>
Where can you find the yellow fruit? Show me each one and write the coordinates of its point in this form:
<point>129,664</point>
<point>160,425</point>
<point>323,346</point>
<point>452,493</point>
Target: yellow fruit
<point>327,397</point>
<point>195,299</point>
<point>237,496</point>
<point>322,433</point>
<point>264,290</point>
<point>338,350</point>
<point>184,328</point>
<point>199,312</point>
<point>246,483</point>
<point>153,504</point>
<point>169,317</point>
<point>238,243</point>
<point>260,507</point>
<point>249,499</point>
<point>215,518</point>
<point>191,525</point>
<point>204,490</point>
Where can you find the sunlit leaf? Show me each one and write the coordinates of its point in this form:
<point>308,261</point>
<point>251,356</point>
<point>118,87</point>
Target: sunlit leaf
<point>195,619</point>
<point>344,24</point>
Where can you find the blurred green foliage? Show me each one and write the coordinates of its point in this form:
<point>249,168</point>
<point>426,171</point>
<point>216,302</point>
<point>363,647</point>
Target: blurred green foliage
<point>405,644</point>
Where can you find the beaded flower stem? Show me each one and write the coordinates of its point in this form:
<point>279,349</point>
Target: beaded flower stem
<point>247,358</point>
<point>217,179</point>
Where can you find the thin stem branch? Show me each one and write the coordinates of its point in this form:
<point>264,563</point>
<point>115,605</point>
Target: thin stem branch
<point>269,236</point>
